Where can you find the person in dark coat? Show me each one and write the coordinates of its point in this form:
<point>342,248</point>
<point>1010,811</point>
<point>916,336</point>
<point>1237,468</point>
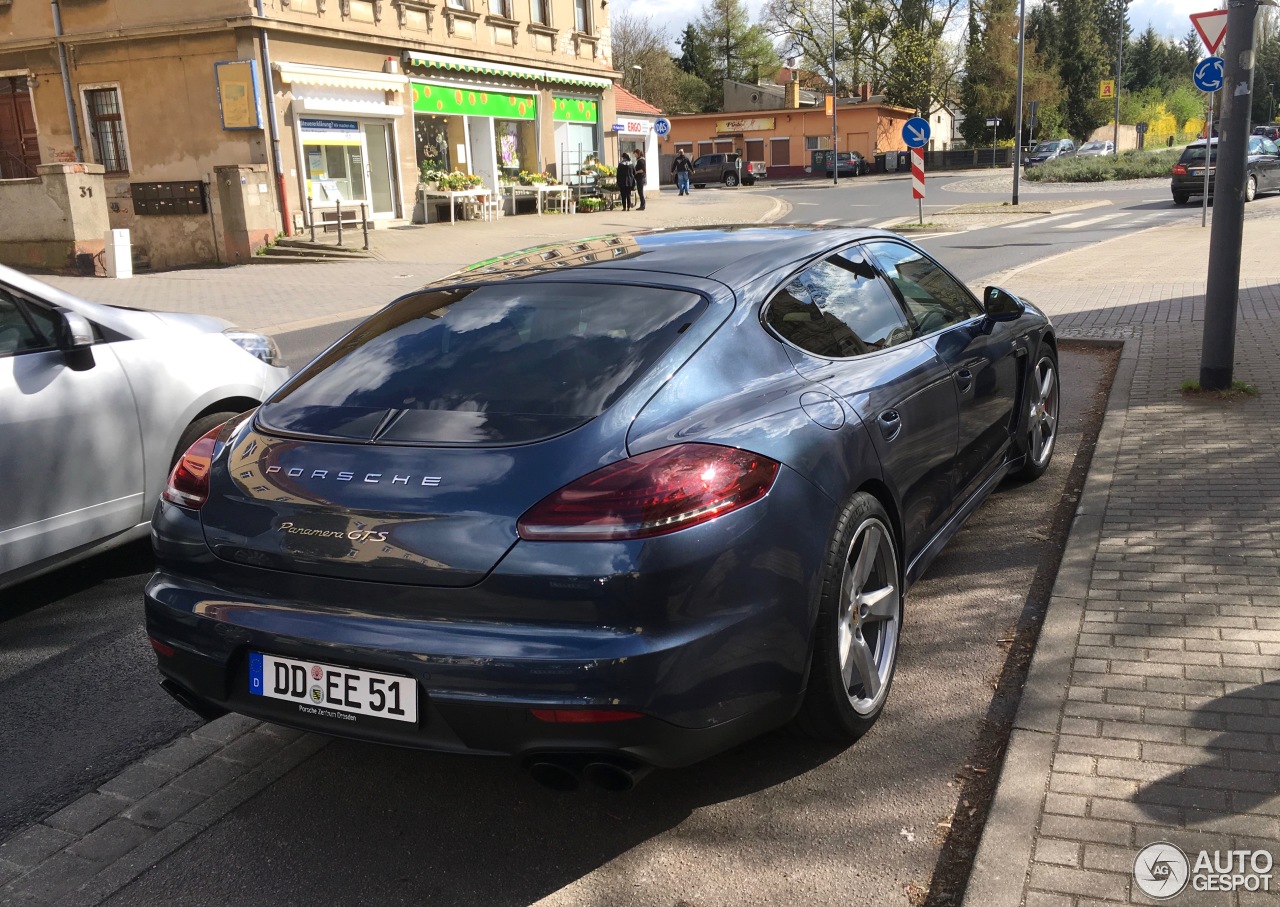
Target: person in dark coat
<point>641,174</point>
<point>626,180</point>
<point>681,169</point>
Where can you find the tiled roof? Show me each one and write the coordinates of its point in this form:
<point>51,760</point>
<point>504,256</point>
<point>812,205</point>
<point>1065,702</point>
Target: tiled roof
<point>629,103</point>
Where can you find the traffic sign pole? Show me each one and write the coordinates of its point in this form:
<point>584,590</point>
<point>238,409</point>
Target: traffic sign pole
<point>1208,154</point>
<point>1222,292</point>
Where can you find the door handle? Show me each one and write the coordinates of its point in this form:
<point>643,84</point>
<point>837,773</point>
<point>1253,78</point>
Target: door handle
<point>890,424</point>
<point>964,378</point>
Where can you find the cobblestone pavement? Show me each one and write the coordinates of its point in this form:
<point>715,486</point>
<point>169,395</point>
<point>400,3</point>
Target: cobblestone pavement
<point>284,297</point>
<point>1152,710</point>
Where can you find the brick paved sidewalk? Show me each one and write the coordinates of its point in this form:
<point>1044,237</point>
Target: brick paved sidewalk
<point>284,297</point>
<point>1152,712</point>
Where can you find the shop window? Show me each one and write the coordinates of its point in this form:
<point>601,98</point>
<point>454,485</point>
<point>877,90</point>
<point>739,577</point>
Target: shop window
<point>582,16</point>
<point>705,148</point>
<point>755,149</point>
<point>335,172</point>
<point>817,142</point>
<point>724,146</point>
<point>106,128</point>
<point>781,152</point>
<point>431,134</point>
<point>517,145</point>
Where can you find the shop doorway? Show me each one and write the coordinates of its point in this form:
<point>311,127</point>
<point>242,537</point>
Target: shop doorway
<point>377,140</point>
<point>482,150</point>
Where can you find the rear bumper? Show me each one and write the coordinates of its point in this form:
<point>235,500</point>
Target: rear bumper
<point>480,704</point>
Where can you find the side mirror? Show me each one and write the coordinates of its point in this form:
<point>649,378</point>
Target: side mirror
<point>74,331</point>
<point>1001,305</point>
<point>75,339</point>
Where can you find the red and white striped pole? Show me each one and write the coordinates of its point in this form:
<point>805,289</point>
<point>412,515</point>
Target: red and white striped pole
<point>917,180</point>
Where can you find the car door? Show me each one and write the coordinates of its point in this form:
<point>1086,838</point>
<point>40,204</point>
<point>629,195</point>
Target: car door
<point>980,355</point>
<point>845,330</point>
<point>1271,161</point>
<point>70,443</point>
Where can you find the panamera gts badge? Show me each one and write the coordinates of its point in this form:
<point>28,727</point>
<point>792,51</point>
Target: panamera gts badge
<point>355,535</point>
<point>369,478</point>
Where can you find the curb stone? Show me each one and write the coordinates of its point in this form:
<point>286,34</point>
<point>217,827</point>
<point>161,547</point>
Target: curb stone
<point>91,848</point>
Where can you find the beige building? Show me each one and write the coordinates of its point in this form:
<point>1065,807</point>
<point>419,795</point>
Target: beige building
<point>336,101</point>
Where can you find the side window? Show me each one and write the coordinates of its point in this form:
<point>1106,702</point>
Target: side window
<point>934,298</point>
<point>838,308</point>
<point>17,332</point>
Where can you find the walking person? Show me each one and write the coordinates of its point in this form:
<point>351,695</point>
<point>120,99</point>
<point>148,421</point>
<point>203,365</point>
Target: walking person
<point>642,174</point>
<point>681,168</point>
<point>626,180</point>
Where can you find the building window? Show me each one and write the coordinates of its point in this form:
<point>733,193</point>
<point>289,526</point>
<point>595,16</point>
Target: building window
<point>781,149</point>
<point>582,17</point>
<point>106,128</point>
<point>755,149</point>
<point>459,4</point>
<point>539,12</point>
<point>500,8</point>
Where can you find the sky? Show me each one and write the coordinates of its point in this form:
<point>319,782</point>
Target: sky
<point>1169,17</point>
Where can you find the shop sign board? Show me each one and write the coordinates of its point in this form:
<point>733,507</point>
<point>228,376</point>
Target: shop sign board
<point>749,124</point>
<point>238,95</point>
<point>454,100</point>
<point>329,131</point>
<point>633,127</point>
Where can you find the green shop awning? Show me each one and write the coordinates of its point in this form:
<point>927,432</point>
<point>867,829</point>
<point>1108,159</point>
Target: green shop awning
<point>489,68</point>
<point>575,110</point>
<point>475,102</point>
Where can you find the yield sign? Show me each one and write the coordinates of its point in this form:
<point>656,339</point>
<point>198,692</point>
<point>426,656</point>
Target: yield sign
<point>1211,26</point>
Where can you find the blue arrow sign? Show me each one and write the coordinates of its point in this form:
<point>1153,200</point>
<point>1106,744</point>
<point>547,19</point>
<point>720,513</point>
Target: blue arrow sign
<point>1208,74</point>
<point>915,132</point>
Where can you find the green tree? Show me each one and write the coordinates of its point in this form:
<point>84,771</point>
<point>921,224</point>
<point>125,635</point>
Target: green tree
<point>739,50</point>
<point>1082,63</point>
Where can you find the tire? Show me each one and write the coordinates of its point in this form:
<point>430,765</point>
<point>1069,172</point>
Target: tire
<point>1042,408</point>
<point>1251,188</point>
<point>196,430</point>
<point>731,180</point>
<point>855,648</point>
<point>699,185</point>
<point>1181,198</point>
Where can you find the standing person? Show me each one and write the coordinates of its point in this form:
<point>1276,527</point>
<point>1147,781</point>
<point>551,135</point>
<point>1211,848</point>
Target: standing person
<point>641,175</point>
<point>681,167</point>
<point>626,180</point>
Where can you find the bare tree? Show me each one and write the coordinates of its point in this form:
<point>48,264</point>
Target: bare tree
<point>638,41</point>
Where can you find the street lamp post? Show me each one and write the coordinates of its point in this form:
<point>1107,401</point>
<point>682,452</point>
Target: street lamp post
<point>1271,95</point>
<point>1017,131</point>
<point>639,79</point>
<point>835,154</point>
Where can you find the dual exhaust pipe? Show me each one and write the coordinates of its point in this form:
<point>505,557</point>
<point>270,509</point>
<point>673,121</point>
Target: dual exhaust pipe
<point>567,771</point>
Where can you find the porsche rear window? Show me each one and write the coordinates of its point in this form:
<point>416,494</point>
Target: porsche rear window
<point>499,364</point>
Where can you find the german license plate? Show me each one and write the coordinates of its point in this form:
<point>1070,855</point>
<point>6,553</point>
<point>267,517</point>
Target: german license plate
<point>321,687</point>
<point>1194,172</point>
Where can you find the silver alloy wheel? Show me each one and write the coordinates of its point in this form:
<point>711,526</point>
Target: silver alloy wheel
<point>1042,422</point>
<point>867,626</point>
<point>1251,189</point>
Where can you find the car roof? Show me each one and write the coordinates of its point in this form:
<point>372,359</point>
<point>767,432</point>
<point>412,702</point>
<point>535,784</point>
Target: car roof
<point>733,255</point>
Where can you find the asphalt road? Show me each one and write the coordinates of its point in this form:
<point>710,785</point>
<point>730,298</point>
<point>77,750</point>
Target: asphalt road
<point>778,820</point>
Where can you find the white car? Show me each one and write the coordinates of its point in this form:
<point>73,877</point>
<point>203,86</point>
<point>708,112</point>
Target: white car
<point>96,403</point>
<point>1096,149</point>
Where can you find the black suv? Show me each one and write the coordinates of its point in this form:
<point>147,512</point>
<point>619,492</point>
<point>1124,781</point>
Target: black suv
<point>721,168</point>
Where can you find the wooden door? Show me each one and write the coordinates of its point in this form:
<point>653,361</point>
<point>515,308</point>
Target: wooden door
<point>19,151</point>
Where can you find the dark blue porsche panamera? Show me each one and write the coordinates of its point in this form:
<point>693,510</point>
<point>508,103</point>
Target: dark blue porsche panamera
<point>605,506</point>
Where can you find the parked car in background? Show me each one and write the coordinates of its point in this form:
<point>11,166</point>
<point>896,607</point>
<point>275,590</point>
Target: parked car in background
<point>758,169</point>
<point>1262,169</point>
<point>1048,151</point>
<point>721,168</point>
<point>850,163</point>
<point>627,511</point>
<point>1269,131</point>
<point>96,404</point>
<point>1096,148</point>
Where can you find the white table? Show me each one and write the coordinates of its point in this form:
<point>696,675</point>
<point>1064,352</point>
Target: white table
<point>546,196</point>
<point>480,196</point>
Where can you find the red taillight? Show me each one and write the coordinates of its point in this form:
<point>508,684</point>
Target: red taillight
<point>583,716</point>
<point>161,648</point>
<point>1179,170</point>
<point>651,494</point>
<point>189,482</point>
